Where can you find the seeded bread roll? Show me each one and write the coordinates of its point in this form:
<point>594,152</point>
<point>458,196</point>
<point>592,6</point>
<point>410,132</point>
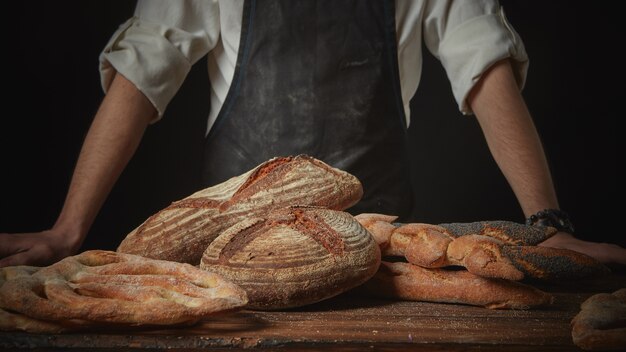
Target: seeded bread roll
<point>294,256</point>
<point>182,231</point>
<point>510,233</point>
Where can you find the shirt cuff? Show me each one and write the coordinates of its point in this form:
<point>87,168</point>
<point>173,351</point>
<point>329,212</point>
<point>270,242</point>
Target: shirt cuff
<point>151,57</point>
<point>474,46</point>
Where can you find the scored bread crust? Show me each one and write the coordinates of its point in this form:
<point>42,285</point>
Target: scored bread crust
<point>116,288</point>
<point>182,231</point>
<point>411,282</point>
<point>294,256</point>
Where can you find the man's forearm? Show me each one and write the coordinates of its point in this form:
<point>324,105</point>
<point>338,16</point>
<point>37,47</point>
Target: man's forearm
<point>512,138</point>
<point>515,145</point>
<point>112,139</point>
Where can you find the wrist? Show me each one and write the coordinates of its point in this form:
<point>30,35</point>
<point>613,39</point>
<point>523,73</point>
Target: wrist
<point>71,232</point>
<point>551,217</point>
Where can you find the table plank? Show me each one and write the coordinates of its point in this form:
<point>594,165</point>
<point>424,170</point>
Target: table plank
<point>350,322</point>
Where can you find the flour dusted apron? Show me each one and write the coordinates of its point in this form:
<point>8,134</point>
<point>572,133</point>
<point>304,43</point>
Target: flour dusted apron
<point>317,77</point>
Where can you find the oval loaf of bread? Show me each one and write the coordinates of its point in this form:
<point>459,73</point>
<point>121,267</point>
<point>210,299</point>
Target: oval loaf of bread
<point>414,283</point>
<point>182,231</point>
<point>294,256</point>
<point>103,289</point>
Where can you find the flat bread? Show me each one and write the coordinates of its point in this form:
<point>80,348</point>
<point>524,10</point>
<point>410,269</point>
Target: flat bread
<point>103,287</point>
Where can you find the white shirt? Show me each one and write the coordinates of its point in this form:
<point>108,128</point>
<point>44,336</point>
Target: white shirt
<point>157,46</point>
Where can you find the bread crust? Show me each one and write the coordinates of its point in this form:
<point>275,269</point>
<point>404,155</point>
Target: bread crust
<point>486,248</point>
<point>294,256</point>
<point>103,287</point>
<point>182,231</point>
<point>411,282</point>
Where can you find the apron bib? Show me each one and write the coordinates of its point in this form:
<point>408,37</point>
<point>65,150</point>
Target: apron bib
<point>317,77</point>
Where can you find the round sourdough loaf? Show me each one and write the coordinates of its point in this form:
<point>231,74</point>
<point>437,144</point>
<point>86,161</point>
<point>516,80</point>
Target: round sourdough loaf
<point>294,256</point>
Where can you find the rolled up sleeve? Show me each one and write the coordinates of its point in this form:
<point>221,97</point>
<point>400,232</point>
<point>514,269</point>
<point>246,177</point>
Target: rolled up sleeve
<point>156,48</point>
<point>470,42</point>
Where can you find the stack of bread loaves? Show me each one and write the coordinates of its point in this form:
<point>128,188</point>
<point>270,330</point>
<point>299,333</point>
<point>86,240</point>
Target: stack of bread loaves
<point>493,256</point>
<point>182,231</point>
<point>277,231</point>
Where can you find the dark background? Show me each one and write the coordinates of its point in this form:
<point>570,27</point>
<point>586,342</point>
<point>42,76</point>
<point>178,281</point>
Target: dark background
<point>52,89</point>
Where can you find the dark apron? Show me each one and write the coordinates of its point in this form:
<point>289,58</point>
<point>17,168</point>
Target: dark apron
<point>317,77</point>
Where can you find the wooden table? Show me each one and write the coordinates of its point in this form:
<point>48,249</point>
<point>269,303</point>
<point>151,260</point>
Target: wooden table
<point>351,323</point>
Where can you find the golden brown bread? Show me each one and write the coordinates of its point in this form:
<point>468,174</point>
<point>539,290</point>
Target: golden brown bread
<point>601,323</point>
<point>114,288</point>
<point>294,256</point>
<point>411,282</point>
<point>14,321</point>
<point>422,244</point>
<point>483,256</point>
<point>380,226</point>
<point>433,246</point>
<point>182,231</point>
<point>10,320</point>
<point>484,248</point>
<point>428,247</point>
<point>489,257</point>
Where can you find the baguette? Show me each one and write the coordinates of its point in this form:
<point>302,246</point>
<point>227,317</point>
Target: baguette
<point>487,249</point>
<point>411,282</point>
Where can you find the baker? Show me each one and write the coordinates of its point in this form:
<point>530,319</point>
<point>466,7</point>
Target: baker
<point>332,79</point>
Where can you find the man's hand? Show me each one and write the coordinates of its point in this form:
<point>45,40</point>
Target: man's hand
<point>603,252</point>
<point>37,248</point>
